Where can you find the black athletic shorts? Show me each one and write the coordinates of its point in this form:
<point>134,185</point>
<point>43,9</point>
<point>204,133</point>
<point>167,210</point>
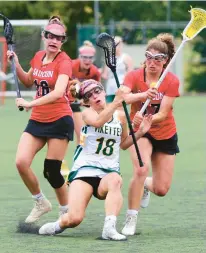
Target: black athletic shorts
<point>75,106</point>
<point>93,181</point>
<point>62,128</point>
<point>168,146</point>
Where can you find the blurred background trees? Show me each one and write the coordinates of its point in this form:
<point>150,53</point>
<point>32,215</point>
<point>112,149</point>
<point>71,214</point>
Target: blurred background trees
<point>115,17</point>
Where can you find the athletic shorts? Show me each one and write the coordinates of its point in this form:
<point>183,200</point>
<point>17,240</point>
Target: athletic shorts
<point>75,107</point>
<point>62,128</point>
<point>168,146</point>
<point>93,181</point>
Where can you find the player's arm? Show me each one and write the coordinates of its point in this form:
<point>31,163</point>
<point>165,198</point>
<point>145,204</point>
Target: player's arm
<point>165,107</point>
<point>126,140</point>
<point>58,92</point>
<point>140,96</point>
<point>25,77</point>
<point>92,118</point>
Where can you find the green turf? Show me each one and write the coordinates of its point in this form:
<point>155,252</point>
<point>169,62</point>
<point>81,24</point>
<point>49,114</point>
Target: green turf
<point>175,223</point>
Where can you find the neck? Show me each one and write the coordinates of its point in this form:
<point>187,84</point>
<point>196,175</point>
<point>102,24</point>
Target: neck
<point>99,109</point>
<point>50,57</point>
<point>152,77</point>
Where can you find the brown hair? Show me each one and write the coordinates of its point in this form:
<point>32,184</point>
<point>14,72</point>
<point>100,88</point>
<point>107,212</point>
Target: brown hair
<point>56,20</point>
<point>164,43</point>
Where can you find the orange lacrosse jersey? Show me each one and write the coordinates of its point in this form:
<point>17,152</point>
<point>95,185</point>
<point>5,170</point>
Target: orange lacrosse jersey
<point>169,87</point>
<point>45,77</point>
<point>93,72</point>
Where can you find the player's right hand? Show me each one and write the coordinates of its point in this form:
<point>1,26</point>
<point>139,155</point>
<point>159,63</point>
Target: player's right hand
<point>11,54</point>
<point>120,94</point>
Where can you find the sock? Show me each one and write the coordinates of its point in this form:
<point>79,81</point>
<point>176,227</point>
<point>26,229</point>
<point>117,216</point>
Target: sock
<point>132,212</point>
<point>110,217</point>
<point>58,228</point>
<point>64,209</point>
<point>38,196</point>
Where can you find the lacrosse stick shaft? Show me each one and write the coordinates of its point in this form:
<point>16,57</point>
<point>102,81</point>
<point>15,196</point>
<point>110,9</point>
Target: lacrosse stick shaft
<point>163,74</point>
<point>129,123</point>
<point>13,68</point>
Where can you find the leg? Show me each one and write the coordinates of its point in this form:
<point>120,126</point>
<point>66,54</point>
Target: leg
<point>55,154</point>
<point>27,149</point>
<point>137,184</point>
<point>110,187</point>
<point>162,172</point>
<point>78,123</point>
<point>139,173</point>
<point>80,194</point>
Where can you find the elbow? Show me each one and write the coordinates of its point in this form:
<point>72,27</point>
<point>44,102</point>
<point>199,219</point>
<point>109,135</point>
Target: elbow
<point>123,146</point>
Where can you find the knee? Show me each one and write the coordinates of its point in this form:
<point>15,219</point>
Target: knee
<point>52,172</point>
<point>162,190</point>
<point>115,182</point>
<point>22,165</point>
<point>141,171</point>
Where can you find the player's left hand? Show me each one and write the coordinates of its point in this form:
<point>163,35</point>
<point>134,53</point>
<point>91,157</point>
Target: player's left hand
<point>145,124</point>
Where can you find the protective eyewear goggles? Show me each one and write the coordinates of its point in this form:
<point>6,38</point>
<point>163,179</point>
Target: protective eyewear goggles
<point>49,35</point>
<point>88,94</point>
<point>157,57</point>
<point>86,57</point>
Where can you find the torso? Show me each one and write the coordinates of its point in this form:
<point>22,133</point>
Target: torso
<point>45,77</point>
<point>169,87</point>
<point>98,152</point>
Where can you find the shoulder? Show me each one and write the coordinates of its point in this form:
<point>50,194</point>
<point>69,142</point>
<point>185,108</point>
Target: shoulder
<point>135,75</point>
<point>121,116</point>
<point>172,78</point>
<point>88,112</point>
<point>39,54</point>
<point>75,63</point>
<point>64,57</point>
<point>95,73</point>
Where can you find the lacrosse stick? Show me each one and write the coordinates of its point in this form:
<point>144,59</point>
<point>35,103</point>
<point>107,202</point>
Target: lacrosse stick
<point>196,24</point>
<point>107,42</point>
<point>8,34</point>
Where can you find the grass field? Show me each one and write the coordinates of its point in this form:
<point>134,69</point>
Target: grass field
<point>175,223</point>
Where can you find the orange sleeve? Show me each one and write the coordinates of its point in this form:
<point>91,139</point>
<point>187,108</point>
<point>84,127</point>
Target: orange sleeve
<point>129,80</point>
<point>98,75</point>
<point>173,88</point>
<point>65,67</point>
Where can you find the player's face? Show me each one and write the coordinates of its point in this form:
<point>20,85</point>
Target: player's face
<point>155,61</point>
<point>95,96</point>
<point>86,61</point>
<point>53,40</point>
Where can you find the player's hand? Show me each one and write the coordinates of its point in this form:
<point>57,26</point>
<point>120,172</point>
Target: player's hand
<point>145,124</point>
<point>11,54</point>
<point>150,93</point>
<point>120,94</point>
<point>137,120</point>
<point>20,102</point>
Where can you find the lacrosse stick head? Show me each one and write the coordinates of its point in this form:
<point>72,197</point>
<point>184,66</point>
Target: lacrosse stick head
<point>107,42</point>
<point>196,24</point>
<point>8,30</point>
